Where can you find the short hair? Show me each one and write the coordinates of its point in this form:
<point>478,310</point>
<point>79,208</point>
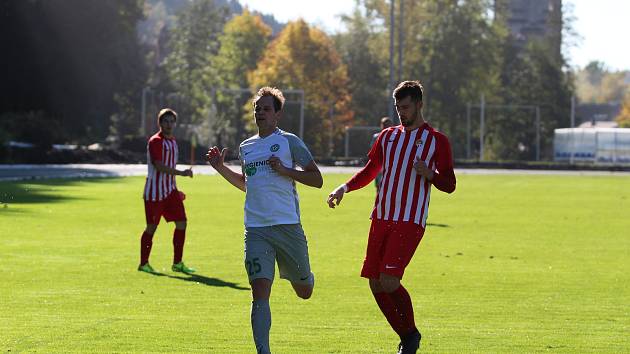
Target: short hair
<point>166,112</point>
<point>412,89</point>
<point>386,122</point>
<point>276,94</point>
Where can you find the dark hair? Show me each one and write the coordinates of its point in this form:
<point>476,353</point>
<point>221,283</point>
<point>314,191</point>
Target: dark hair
<point>166,112</point>
<point>278,97</point>
<point>412,89</point>
<point>386,122</point>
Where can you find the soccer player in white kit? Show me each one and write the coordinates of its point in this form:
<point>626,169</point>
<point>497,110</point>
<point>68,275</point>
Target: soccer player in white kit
<point>273,232</point>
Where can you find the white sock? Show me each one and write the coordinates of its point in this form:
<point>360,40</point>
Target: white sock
<point>261,324</point>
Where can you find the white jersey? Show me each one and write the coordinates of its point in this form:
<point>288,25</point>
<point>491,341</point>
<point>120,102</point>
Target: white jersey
<point>271,199</point>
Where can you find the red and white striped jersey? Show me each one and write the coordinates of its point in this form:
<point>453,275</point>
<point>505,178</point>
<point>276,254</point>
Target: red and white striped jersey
<point>159,185</point>
<point>403,194</point>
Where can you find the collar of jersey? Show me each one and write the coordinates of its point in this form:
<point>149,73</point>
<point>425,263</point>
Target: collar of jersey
<point>276,131</point>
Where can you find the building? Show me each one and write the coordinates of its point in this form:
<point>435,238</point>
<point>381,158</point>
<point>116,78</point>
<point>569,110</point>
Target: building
<point>533,19</point>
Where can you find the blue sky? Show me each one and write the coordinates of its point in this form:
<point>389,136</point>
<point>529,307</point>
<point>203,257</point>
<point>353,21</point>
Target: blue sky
<point>599,24</point>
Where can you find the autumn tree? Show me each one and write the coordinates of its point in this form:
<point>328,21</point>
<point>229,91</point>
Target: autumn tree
<point>623,119</point>
<point>596,83</point>
<point>303,57</point>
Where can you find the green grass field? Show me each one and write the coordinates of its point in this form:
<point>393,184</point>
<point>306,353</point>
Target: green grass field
<point>508,264</point>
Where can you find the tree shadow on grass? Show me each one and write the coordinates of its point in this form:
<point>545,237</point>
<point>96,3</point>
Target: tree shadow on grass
<point>202,279</point>
<point>39,191</point>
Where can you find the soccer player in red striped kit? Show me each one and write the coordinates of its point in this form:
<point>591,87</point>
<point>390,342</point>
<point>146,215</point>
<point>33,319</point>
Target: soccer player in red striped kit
<point>413,156</point>
<point>161,197</point>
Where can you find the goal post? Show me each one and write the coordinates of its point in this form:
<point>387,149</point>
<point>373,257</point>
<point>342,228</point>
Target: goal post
<point>357,140</point>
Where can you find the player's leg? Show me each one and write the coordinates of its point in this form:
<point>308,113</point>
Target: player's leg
<point>261,314</point>
<point>153,213</point>
<point>294,265</point>
<point>174,211</point>
<point>399,248</point>
<point>260,263</point>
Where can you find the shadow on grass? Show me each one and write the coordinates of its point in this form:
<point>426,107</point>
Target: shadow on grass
<point>201,279</point>
<point>437,225</point>
<point>40,191</point>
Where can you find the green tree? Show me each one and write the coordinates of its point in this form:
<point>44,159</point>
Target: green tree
<point>359,50</point>
<point>303,57</point>
<point>193,44</point>
<point>532,77</point>
<point>243,42</point>
<point>453,48</point>
<point>68,60</point>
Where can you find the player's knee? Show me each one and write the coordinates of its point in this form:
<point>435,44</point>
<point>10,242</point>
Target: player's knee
<point>305,293</point>
<point>180,225</point>
<point>389,283</point>
<point>150,229</point>
<point>375,286</point>
<point>261,288</point>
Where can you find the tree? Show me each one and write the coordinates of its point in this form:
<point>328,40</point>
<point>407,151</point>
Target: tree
<point>303,57</point>
<point>242,44</point>
<point>68,59</point>
<point>596,83</point>
<point>193,45</point>
<point>452,47</point>
<point>359,48</point>
<point>623,118</point>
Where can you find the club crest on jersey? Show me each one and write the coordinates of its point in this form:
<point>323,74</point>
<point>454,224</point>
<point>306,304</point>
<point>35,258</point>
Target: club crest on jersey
<point>250,171</point>
<point>419,142</point>
<point>274,148</point>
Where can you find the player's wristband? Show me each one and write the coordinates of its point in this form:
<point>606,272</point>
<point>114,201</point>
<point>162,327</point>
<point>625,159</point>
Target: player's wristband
<point>345,188</point>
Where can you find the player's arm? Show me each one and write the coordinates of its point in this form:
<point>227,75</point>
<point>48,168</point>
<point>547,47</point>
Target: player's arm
<point>171,171</point>
<point>443,178</point>
<point>216,159</point>
<point>362,178</point>
<point>311,176</point>
<point>155,153</point>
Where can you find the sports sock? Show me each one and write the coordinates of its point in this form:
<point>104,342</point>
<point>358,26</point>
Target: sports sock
<point>146,242</point>
<point>261,324</point>
<point>402,301</point>
<point>388,308</point>
<point>179,236</point>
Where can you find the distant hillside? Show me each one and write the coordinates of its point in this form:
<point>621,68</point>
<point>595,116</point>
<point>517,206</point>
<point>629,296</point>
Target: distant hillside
<point>172,7</point>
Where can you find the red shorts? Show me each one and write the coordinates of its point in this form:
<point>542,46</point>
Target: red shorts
<point>172,208</point>
<point>390,247</point>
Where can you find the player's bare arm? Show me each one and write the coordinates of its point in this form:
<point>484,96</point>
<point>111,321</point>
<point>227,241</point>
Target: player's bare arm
<point>311,176</point>
<point>172,171</point>
<point>335,197</point>
<point>216,158</point>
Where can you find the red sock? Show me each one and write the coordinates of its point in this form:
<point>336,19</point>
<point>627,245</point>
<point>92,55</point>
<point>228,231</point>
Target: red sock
<point>179,236</point>
<point>388,308</point>
<point>146,242</point>
<point>402,301</point>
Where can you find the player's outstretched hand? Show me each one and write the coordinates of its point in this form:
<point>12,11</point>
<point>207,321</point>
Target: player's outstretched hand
<point>188,173</point>
<point>335,197</point>
<point>215,157</point>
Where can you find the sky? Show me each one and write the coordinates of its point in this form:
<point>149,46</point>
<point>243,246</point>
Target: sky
<point>599,24</point>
